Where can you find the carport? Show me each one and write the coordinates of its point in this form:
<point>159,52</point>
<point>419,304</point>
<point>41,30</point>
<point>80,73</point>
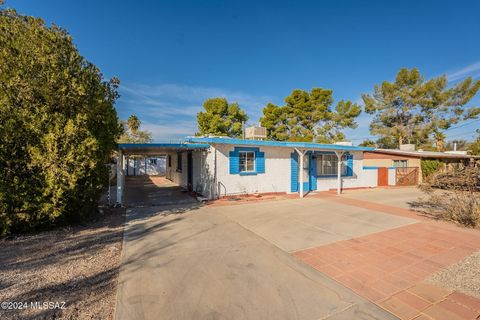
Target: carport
<point>147,149</point>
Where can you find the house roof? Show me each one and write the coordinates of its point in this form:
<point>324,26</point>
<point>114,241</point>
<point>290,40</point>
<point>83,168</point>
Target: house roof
<point>424,154</point>
<point>269,143</point>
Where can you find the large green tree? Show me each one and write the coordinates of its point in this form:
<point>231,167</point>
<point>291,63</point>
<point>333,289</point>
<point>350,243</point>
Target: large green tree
<point>58,126</point>
<point>414,110</point>
<point>132,133</point>
<point>309,116</point>
<point>221,118</point>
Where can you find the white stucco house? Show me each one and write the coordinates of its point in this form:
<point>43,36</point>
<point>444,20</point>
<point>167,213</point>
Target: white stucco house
<point>218,166</point>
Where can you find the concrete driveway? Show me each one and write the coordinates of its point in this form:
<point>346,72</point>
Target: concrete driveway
<point>298,224</point>
<point>191,262</point>
<point>399,197</point>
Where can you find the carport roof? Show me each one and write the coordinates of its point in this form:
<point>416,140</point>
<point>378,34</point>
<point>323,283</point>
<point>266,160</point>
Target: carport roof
<point>158,148</point>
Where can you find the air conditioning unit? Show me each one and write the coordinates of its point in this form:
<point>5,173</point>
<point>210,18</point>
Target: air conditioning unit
<point>407,147</point>
<point>344,143</point>
<point>255,133</point>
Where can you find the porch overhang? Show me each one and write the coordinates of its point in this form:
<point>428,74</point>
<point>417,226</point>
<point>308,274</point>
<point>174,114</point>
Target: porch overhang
<point>158,148</point>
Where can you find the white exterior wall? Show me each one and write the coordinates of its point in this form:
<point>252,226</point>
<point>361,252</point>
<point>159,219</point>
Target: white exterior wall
<point>392,176</point>
<point>275,179</point>
<point>178,177</point>
<point>202,171</point>
<point>361,178</point>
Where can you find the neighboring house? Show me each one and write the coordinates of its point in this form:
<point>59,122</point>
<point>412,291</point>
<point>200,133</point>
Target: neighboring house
<point>403,167</point>
<point>235,167</point>
<point>147,165</point>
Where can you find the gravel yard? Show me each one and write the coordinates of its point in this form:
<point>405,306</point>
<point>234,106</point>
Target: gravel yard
<point>78,266</point>
<point>463,276</point>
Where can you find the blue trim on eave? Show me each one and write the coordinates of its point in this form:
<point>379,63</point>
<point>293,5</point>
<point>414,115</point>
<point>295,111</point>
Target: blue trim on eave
<point>268,143</point>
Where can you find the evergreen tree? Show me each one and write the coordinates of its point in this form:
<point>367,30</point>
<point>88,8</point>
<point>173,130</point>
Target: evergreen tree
<point>58,126</point>
<point>412,110</point>
<point>308,116</point>
<point>221,118</point>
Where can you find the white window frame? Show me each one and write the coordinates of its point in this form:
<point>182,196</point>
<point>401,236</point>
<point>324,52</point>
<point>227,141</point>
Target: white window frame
<point>244,167</point>
<point>331,170</point>
<point>396,162</point>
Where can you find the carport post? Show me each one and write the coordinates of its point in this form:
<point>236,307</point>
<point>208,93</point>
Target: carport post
<point>339,171</point>
<point>120,177</point>
<point>300,169</point>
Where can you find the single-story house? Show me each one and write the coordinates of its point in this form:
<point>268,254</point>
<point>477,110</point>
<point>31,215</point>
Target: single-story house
<point>218,166</point>
<point>403,167</point>
<point>235,166</point>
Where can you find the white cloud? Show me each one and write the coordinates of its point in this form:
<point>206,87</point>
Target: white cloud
<point>193,94</point>
<point>169,110</point>
<point>470,70</point>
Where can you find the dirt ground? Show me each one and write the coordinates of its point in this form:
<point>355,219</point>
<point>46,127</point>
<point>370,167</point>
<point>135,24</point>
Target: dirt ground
<point>75,266</point>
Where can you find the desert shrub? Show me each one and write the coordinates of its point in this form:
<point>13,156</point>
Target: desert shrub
<point>466,179</point>
<point>462,207</point>
<point>429,167</point>
<point>58,126</point>
<point>459,200</point>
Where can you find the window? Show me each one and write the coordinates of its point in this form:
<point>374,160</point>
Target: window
<point>246,161</point>
<point>400,163</point>
<point>327,165</point>
<point>169,161</point>
<point>179,161</point>
<point>153,162</point>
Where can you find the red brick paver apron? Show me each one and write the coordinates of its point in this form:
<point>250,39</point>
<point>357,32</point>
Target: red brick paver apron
<point>389,267</point>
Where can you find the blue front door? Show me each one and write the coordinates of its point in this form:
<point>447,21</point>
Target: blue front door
<point>311,183</point>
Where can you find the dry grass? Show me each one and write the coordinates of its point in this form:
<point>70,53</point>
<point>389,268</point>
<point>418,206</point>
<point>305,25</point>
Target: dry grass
<point>77,265</point>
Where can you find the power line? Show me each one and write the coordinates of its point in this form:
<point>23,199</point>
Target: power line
<point>462,125</point>
<point>460,135</point>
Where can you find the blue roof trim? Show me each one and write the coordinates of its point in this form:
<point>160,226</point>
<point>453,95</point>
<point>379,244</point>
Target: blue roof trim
<point>267,143</point>
<point>163,145</point>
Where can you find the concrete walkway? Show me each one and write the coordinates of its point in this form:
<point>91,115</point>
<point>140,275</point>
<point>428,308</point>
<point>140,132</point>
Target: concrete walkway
<point>188,262</point>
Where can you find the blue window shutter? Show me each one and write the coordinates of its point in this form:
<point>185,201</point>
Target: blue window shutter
<point>294,172</point>
<point>349,165</point>
<point>234,162</point>
<point>313,171</point>
<point>260,161</point>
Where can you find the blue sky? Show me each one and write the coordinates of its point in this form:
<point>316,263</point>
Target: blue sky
<point>171,55</point>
